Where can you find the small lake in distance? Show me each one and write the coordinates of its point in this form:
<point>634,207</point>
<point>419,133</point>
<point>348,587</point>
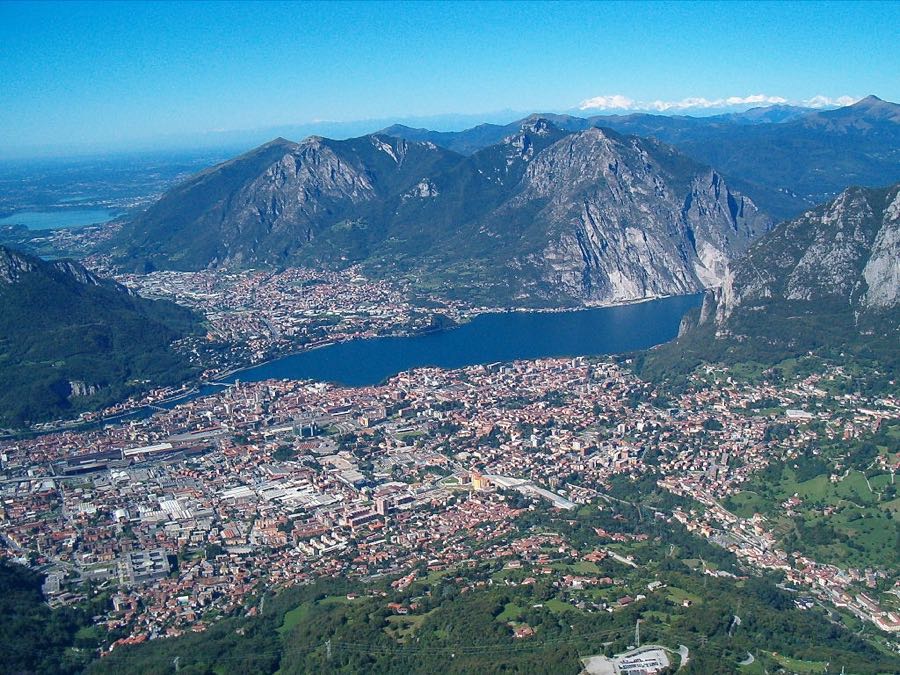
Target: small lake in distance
<point>49,220</point>
<point>486,339</point>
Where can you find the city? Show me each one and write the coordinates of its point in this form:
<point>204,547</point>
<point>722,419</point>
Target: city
<point>197,510</point>
<point>402,338</point>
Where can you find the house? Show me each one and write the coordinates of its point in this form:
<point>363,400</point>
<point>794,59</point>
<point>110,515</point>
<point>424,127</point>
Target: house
<point>523,631</point>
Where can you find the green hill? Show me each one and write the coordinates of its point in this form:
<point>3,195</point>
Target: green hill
<point>71,341</point>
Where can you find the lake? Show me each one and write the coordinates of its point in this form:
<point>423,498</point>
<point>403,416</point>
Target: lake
<point>49,220</point>
<point>486,339</point>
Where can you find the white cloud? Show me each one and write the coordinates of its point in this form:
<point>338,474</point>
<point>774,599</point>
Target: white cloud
<point>614,102</point>
<point>620,102</point>
<point>755,99</point>
<point>828,102</point>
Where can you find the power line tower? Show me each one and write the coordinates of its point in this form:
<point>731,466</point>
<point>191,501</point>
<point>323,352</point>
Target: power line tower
<point>328,649</point>
<point>637,633</point>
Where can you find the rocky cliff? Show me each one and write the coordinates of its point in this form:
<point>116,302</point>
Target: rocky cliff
<point>826,283</point>
<point>629,218</point>
<point>845,254</point>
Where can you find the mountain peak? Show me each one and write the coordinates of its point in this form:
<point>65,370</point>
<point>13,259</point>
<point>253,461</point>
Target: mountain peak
<point>598,133</point>
<point>274,144</point>
<point>875,107</point>
<point>868,101</point>
<point>857,117</point>
<point>13,264</point>
<point>262,153</point>
<point>401,129</point>
<point>535,133</point>
<point>539,125</point>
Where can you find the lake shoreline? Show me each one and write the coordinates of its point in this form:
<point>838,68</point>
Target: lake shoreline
<point>469,316</point>
<point>578,316</point>
<point>51,218</point>
<point>687,301</point>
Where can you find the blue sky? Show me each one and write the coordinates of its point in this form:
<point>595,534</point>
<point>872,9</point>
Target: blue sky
<point>108,75</point>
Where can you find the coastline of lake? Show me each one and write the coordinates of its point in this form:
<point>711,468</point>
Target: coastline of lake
<point>488,337</point>
<point>500,335</point>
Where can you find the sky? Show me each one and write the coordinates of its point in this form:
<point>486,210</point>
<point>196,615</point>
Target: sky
<point>108,75</point>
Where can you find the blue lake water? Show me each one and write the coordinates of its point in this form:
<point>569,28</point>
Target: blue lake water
<point>486,339</point>
<point>48,220</point>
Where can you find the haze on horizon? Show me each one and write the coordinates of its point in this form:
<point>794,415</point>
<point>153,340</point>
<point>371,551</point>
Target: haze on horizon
<point>90,77</point>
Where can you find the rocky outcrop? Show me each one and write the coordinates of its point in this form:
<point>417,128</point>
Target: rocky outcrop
<point>80,389</point>
<point>628,218</point>
<point>846,253</point>
<point>826,283</point>
<point>13,265</point>
<point>882,270</point>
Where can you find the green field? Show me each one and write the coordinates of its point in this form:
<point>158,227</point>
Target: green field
<point>801,667</point>
<point>511,612</point>
<point>580,567</point>
<point>294,617</point>
<point>403,627</point>
<point>559,607</point>
<point>846,522</point>
<point>678,595</point>
<point>745,504</point>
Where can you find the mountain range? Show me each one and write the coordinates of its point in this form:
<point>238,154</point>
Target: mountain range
<point>545,216</point>
<point>72,341</point>
<point>560,211</point>
<point>787,158</point>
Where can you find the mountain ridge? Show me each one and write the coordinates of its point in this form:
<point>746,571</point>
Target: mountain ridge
<point>788,160</point>
<point>845,251</point>
<point>825,283</point>
<point>502,223</point>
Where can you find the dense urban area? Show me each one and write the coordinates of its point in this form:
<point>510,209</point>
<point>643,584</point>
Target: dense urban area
<point>204,510</point>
